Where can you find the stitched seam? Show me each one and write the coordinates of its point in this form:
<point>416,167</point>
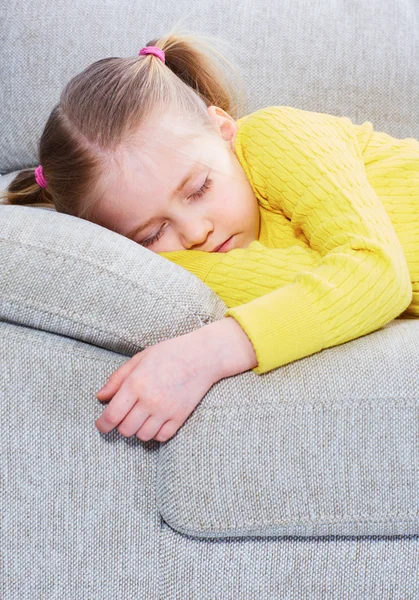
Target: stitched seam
<point>71,319</point>
<point>337,522</point>
<point>203,319</point>
<point>52,345</point>
<point>115,274</point>
<point>367,404</point>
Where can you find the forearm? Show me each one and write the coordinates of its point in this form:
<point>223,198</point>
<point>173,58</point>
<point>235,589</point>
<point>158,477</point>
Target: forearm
<point>232,351</point>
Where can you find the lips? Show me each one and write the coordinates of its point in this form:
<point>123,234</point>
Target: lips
<point>217,248</point>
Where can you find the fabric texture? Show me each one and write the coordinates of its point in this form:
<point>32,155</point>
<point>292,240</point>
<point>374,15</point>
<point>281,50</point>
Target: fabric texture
<point>93,284</point>
<point>325,452</point>
<point>328,56</point>
<point>81,510</point>
<point>334,260</point>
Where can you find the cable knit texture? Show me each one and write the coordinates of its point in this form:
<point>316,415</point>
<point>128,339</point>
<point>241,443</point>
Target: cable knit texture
<point>338,250</point>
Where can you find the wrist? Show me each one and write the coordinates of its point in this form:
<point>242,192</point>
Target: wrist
<point>231,348</point>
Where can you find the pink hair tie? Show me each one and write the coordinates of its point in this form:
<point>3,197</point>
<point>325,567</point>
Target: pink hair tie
<point>153,50</point>
<point>39,176</point>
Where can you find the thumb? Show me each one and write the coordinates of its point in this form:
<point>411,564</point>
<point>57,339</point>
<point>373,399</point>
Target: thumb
<point>115,380</point>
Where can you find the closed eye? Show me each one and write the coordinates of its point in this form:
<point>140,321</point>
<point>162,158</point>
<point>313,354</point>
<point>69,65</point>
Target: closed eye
<point>205,187</point>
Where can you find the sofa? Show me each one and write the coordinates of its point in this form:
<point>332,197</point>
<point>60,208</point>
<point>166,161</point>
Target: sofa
<point>298,484</point>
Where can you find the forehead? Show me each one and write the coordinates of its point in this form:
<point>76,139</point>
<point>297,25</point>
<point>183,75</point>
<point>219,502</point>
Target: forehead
<point>158,154</point>
<point>160,142</point>
<point>172,131</point>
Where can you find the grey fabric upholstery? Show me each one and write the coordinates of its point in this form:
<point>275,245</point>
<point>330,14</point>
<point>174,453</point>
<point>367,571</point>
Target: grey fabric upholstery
<point>302,483</point>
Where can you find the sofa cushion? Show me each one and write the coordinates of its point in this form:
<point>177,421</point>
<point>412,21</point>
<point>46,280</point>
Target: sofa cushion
<point>72,277</point>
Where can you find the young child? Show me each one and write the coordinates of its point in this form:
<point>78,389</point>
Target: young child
<point>305,224</point>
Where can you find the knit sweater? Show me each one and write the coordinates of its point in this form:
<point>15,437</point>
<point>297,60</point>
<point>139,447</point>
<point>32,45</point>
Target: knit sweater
<point>338,250</point>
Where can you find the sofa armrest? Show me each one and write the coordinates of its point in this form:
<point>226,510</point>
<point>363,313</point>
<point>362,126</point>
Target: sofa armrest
<point>327,445</point>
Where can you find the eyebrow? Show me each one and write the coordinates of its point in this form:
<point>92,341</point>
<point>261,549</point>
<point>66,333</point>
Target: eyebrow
<point>182,184</point>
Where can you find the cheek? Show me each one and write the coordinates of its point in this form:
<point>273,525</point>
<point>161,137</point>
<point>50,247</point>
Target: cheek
<point>169,242</point>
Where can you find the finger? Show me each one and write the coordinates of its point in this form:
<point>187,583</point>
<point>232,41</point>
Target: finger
<point>150,427</point>
<point>117,409</point>
<point>168,430</point>
<point>115,380</point>
<point>134,420</point>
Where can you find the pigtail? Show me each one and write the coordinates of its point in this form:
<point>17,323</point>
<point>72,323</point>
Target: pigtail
<point>24,190</point>
<point>196,60</point>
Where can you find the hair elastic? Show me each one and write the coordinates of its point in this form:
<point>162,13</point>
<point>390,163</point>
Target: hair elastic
<point>39,176</point>
<point>153,50</point>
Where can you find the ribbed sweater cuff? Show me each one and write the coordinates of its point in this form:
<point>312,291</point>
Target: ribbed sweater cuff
<point>281,325</point>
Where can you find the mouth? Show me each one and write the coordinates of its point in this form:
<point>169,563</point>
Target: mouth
<point>224,246</point>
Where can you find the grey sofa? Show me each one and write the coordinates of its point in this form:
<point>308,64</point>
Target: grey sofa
<point>302,483</point>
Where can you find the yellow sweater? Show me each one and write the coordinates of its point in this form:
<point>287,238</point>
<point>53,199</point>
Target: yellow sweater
<point>338,250</point>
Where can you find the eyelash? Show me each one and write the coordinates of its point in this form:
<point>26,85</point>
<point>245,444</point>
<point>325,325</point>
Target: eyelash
<point>206,186</point>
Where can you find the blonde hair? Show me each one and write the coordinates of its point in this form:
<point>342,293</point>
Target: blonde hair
<point>104,105</point>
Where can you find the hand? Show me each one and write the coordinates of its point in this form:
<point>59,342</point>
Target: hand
<point>154,392</point>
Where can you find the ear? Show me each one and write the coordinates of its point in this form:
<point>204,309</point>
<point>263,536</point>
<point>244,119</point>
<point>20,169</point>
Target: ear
<point>224,123</point>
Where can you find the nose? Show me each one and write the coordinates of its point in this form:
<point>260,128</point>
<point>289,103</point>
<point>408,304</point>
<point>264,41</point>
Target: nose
<point>194,232</point>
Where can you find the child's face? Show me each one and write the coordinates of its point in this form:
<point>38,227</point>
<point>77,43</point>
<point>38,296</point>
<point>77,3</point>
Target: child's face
<point>150,171</point>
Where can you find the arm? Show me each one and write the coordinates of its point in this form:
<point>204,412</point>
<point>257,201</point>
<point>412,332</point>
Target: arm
<point>232,350</point>
<point>239,277</point>
<point>313,170</point>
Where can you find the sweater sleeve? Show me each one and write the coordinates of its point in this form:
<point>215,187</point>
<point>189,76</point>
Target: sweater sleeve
<point>243,274</point>
<point>310,166</point>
